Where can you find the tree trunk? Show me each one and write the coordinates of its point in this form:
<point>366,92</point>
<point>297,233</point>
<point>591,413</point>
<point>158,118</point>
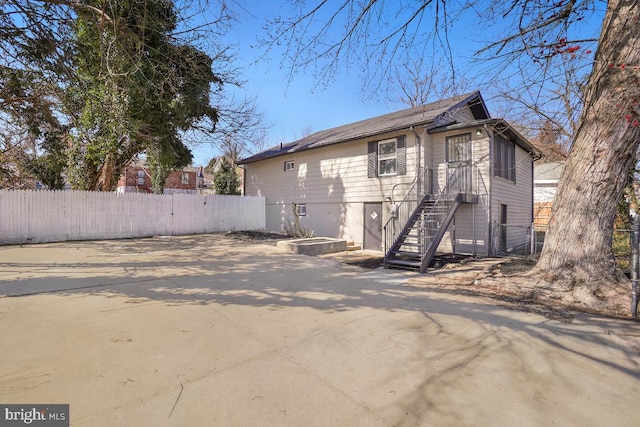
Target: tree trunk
<point>578,242</point>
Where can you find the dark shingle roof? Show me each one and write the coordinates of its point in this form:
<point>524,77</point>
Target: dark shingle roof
<point>428,114</point>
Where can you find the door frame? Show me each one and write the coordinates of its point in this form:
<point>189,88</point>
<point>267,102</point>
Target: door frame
<point>366,222</point>
<point>461,166</point>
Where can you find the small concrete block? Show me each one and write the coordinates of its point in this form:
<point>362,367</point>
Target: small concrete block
<point>314,245</point>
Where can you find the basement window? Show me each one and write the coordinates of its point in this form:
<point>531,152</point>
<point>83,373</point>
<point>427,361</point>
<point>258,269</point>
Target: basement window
<point>301,209</point>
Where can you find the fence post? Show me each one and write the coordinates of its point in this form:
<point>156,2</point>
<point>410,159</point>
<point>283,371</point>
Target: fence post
<point>635,243</point>
<point>533,241</point>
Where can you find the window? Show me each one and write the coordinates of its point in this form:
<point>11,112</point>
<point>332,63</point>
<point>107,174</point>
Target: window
<point>387,157</point>
<point>185,178</point>
<point>301,209</point>
<point>140,177</point>
<point>458,156</point>
<point>504,158</point>
<point>459,148</point>
<point>289,165</point>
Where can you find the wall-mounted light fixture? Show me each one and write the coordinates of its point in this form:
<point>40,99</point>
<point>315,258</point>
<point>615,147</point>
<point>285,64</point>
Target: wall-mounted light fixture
<point>479,132</point>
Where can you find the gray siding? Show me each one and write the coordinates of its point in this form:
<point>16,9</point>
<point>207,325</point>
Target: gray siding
<point>518,197</point>
<point>470,231</point>
<point>332,181</point>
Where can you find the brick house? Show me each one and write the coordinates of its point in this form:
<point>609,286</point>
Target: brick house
<point>136,179</point>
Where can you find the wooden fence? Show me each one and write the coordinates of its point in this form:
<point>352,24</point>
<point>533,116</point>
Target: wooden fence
<point>54,216</point>
<point>541,214</point>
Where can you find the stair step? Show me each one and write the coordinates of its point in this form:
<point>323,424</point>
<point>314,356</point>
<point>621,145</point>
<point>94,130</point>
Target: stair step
<point>401,263</point>
<point>411,245</point>
<point>406,255</point>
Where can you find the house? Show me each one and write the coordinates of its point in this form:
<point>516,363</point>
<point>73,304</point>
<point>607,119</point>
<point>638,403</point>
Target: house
<point>137,179</point>
<point>441,176</point>
<point>545,184</point>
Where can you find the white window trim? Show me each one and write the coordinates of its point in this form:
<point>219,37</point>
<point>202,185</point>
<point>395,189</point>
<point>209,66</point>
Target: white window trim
<point>289,165</point>
<point>185,178</point>
<point>393,156</point>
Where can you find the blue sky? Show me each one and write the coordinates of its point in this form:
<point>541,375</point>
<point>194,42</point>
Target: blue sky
<point>289,108</point>
<point>292,107</point>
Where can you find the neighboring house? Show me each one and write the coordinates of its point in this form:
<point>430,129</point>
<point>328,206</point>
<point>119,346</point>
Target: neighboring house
<point>545,184</point>
<point>439,176</point>
<point>136,179</point>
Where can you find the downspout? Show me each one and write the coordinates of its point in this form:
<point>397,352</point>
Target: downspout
<point>473,205</point>
<point>490,191</point>
<point>418,162</point>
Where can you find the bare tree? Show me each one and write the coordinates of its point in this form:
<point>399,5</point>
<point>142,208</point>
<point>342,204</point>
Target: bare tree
<point>423,80</point>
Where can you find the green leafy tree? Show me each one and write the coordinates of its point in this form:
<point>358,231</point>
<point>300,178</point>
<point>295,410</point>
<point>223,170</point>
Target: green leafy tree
<point>112,79</point>
<point>142,91</point>
<point>226,180</point>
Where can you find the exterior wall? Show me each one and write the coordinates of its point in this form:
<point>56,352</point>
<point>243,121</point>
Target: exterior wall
<point>128,182</point>
<point>332,182</point>
<point>469,232</point>
<point>175,184</point>
<point>545,192</point>
<point>546,177</point>
<point>543,195</point>
<point>518,197</point>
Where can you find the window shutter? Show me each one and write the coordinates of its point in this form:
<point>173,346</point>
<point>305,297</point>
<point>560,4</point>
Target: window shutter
<point>401,156</point>
<point>372,159</point>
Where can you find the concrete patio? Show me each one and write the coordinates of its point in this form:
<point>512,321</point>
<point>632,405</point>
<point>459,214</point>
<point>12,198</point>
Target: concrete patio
<point>208,330</point>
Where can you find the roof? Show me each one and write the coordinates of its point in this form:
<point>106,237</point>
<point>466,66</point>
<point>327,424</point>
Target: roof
<point>424,115</point>
<point>548,171</point>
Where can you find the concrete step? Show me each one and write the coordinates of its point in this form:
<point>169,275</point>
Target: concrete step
<point>351,246</point>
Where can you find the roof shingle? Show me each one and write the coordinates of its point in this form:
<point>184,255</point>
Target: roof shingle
<point>428,114</point>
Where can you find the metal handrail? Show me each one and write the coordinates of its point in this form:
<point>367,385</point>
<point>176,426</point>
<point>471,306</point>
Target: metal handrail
<point>446,199</point>
<point>461,179</point>
<point>439,207</point>
<point>407,206</point>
